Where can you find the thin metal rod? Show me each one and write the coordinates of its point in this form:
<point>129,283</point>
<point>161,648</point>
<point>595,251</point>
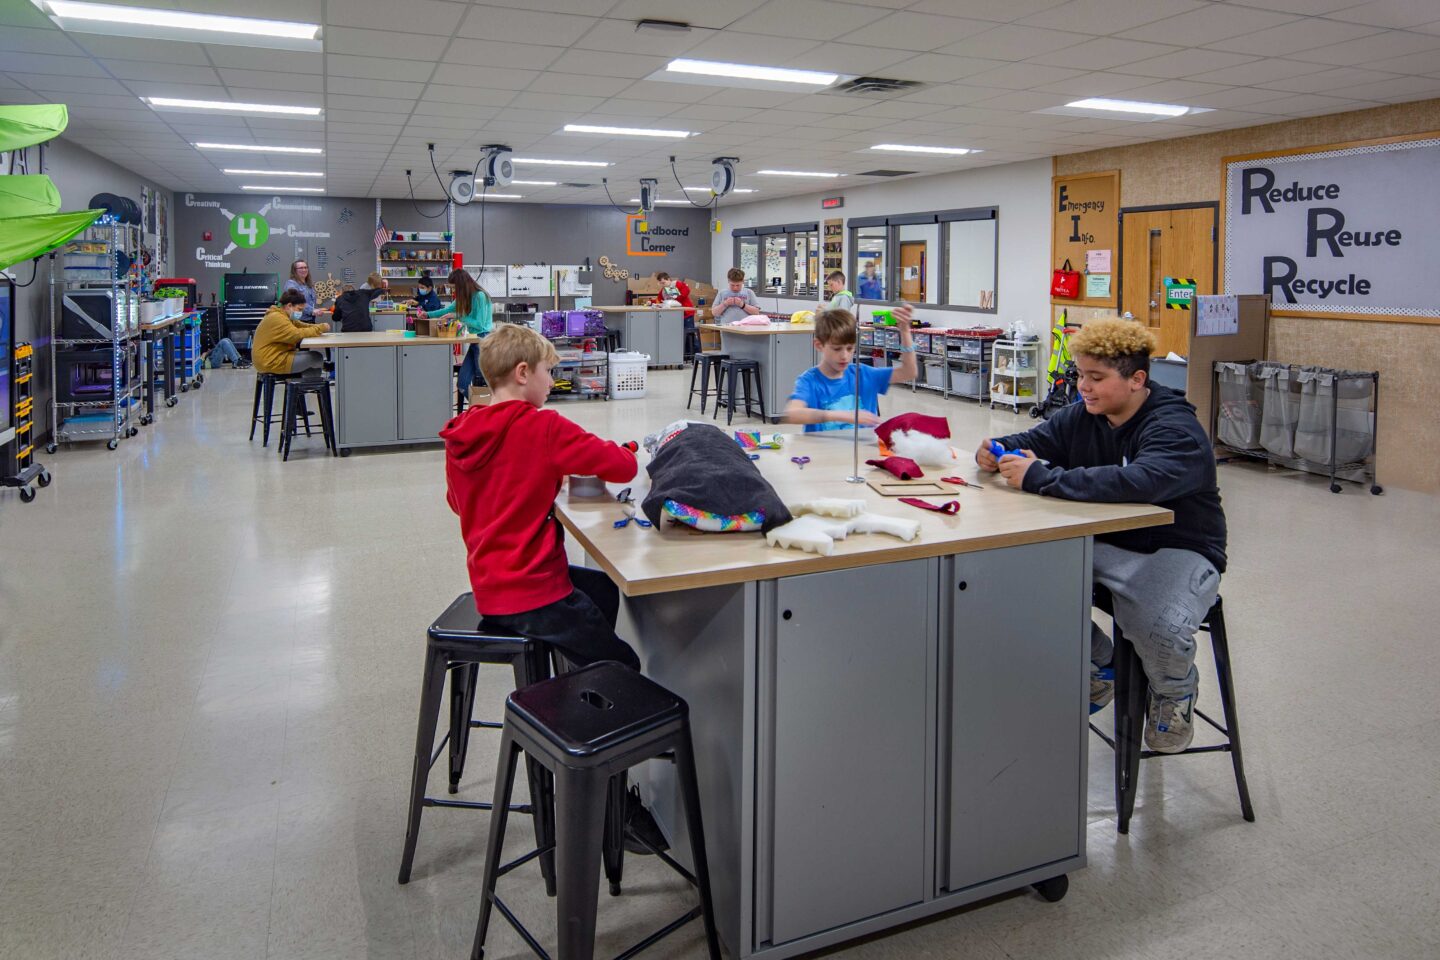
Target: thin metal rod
<point>855,425</point>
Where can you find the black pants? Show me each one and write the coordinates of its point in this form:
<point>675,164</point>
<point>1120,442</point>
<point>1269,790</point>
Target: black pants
<point>581,626</point>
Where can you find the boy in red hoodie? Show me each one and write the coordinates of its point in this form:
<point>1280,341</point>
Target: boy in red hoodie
<point>504,464</point>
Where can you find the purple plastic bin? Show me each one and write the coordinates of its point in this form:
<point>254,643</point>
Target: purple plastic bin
<point>575,323</point>
<point>552,323</point>
<point>594,323</point>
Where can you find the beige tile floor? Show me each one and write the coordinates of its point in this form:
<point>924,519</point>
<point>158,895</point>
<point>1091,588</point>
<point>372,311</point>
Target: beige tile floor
<point>209,665</point>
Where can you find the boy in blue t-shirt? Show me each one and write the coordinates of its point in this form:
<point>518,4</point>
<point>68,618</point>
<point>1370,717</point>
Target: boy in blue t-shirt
<point>824,397</point>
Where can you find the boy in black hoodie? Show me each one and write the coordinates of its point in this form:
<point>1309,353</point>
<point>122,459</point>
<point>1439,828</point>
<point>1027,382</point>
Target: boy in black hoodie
<point>1132,441</point>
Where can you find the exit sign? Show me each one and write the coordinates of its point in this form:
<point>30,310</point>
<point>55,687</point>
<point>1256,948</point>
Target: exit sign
<point>832,203</point>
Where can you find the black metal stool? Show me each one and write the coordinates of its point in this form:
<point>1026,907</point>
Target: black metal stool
<point>1131,700</point>
<point>588,728</point>
<point>296,389</point>
<point>732,371</point>
<point>458,643</point>
<point>706,362</point>
<point>265,389</point>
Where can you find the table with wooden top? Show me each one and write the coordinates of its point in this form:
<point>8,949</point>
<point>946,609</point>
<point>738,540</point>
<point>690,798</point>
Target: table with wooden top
<point>656,331</point>
<point>389,388</point>
<point>785,350</point>
<point>883,734</point>
<point>158,337</point>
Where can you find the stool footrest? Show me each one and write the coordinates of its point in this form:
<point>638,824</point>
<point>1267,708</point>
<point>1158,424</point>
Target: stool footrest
<point>486,724</point>
<point>1216,748</point>
<point>521,861</point>
<point>660,934</point>
<point>1203,716</point>
<point>525,935</point>
<point>474,804</point>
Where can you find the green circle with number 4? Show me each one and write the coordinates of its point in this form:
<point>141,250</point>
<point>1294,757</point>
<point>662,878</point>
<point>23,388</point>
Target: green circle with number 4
<point>249,230</point>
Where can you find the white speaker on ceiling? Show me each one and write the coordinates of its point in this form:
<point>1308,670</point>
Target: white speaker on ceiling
<point>649,188</point>
<point>499,168</point>
<point>462,187</point>
<point>722,176</point>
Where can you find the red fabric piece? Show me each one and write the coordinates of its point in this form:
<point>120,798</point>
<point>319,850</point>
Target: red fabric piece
<point>951,508</point>
<point>902,467</point>
<point>504,465</point>
<point>916,423</point>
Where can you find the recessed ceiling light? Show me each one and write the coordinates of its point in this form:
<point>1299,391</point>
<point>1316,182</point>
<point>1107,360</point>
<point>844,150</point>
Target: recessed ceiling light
<point>256,148</point>
<point>624,131</point>
<point>177,24</point>
<point>560,163</point>
<point>1131,106</point>
<point>537,183</point>
<point>231,106</point>
<point>269,189</point>
<point>906,148</point>
<point>795,173</point>
<point>708,190</point>
<point>276,173</point>
<point>746,71</point>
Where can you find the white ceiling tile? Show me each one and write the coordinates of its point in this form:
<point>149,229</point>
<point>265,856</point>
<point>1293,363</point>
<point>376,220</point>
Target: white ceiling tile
<point>602,64</point>
<point>445,93</point>
<point>1420,63</point>
<point>525,26</point>
<point>1294,37</point>
<point>1105,17</point>
<point>849,58</point>
<point>1014,43</point>
<point>1380,46</point>
<point>376,43</point>
<point>435,17</point>
<point>560,103</point>
<point>21,62</point>
<point>757,49</point>
<point>671,93</point>
<point>492,78</point>
<point>161,72</point>
<point>1239,98</point>
<point>491,53</point>
<point>391,89</point>
<point>1090,84</point>
<point>754,98</point>
<point>1207,25</point>
<point>917,31</point>
<point>699,13</point>
<point>807,19</point>
<point>1023,76</point>
<point>387,105</point>
<point>1396,89</point>
<point>267,80</point>
<point>51,42</point>
<point>713,111</point>
<point>1309,8</point>
<point>1306,104</point>
<point>1186,63</point>
<point>899,109</point>
<point>1001,11</point>
<point>1104,53</point>
<point>150,88</point>
<point>574,83</point>
<point>1176,91</point>
<point>1257,71</point>
<point>940,68</point>
<point>306,11</point>
<point>1025,100</point>
<point>62,84</point>
<point>1327,80</point>
<point>952,94</point>
<point>377,68</point>
<point>255,58</point>
<point>620,36</point>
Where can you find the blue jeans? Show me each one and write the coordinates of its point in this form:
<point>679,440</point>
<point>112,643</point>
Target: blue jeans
<point>470,369</point>
<point>223,351</point>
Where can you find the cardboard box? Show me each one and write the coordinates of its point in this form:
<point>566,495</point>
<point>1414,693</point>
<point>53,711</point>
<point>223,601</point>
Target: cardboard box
<point>431,327</point>
<point>643,286</point>
<point>700,291</point>
<point>479,396</point>
<point>709,339</point>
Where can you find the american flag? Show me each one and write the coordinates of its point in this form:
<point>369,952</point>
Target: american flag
<point>381,234</point>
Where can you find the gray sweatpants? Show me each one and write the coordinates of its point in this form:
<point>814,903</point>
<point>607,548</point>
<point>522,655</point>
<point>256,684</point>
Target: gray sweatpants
<point>306,360</point>
<point>1160,600</point>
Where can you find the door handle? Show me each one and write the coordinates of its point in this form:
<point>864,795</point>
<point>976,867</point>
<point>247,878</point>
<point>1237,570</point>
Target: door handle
<point>1154,304</point>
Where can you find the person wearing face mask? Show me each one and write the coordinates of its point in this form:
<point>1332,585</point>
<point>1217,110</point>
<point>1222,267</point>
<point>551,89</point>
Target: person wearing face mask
<point>276,347</point>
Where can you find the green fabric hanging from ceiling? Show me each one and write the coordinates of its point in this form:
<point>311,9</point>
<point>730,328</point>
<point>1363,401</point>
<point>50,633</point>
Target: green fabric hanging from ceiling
<point>24,238</point>
<point>28,124</point>
<point>28,195</point>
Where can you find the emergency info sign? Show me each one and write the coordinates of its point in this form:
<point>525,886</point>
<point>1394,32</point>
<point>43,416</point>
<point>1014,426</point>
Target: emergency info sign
<point>1353,231</point>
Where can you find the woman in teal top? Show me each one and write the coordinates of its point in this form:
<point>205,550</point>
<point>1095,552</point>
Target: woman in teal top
<point>472,306</point>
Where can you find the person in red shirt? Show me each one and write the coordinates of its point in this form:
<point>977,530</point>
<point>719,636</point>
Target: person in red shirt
<point>504,464</point>
<point>679,291</point>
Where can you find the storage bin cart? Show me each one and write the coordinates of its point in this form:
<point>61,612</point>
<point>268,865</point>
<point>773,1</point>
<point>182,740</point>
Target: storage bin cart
<point>190,352</point>
<point>1014,373</point>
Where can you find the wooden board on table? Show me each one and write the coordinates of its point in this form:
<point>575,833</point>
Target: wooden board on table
<point>894,487</point>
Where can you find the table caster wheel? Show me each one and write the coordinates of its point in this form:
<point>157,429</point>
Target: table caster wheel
<point>344,451</point>
<point>199,379</point>
<point>27,494</point>
<point>1376,489</point>
<point>171,401</point>
<point>146,420</point>
<point>1035,412</point>
<point>51,447</point>
<point>184,387</point>
<point>45,478</point>
<point>133,431</point>
<point>1054,889</point>
<point>1334,488</point>
<point>111,444</point>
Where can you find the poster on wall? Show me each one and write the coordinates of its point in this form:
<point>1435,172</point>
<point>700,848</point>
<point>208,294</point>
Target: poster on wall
<point>1085,211</point>
<point>1337,231</point>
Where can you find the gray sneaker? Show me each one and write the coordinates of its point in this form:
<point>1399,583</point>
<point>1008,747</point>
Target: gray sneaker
<point>1102,689</point>
<point>1168,723</point>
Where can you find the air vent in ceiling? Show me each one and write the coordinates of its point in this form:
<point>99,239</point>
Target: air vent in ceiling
<point>885,173</point>
<point>876,88</point>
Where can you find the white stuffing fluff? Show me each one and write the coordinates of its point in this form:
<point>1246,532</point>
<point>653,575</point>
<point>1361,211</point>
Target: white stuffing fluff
<point>828,507</point>
<point>924,449</point>
<point>815,534</point>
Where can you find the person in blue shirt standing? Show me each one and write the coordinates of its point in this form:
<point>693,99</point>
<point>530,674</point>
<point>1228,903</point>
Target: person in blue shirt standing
<point>824,397</point>
<point>472,307</point>
<point>871,286</point>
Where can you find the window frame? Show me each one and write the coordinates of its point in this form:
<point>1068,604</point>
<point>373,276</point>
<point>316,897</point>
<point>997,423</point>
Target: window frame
<point>759,235</point>
<point>940,218</point>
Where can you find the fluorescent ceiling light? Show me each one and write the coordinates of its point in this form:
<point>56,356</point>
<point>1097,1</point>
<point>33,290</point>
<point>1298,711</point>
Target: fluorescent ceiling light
<point>745,71</point>
<point>795,173</point>
<point>624,131</point>
<point>637,200</point>
<point>1131,106</point>
<point>231,106</point>
<point>277,173</point>
<point>906,148</point>
<point>708,190</point>
<point>107,18</point>
<point>537,183</point>
<point>560,163</point>
<point>256,148</point>
<point>500,196</point>
<point>266,189</point>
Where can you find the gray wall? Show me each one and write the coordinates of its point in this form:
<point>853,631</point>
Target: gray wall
<point>79,175</point>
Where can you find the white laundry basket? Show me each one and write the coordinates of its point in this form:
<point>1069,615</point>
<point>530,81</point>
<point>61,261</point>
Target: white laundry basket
<point>627,375</point>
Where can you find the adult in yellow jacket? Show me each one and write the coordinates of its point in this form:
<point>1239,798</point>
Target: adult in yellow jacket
<point>275,348</point>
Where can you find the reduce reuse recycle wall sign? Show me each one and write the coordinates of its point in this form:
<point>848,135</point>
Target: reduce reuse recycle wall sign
<point>1337,231</point>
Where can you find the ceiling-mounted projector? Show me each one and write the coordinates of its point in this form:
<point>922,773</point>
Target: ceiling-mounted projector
<point>499,168</point>
<point>722,175</point>
<point>462,187</point>
<point>648,190</point>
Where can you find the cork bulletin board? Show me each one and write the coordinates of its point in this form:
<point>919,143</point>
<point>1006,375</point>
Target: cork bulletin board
<point>1085,211</point>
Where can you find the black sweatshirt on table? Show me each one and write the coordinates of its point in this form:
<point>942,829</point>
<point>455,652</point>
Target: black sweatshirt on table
<point>1159,456</point>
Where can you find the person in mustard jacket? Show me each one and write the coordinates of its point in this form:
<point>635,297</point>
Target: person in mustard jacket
<point>276,346</point>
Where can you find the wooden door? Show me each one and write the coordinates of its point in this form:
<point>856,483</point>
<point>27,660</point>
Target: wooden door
<point>912,260</point>
<point>1160,244</point>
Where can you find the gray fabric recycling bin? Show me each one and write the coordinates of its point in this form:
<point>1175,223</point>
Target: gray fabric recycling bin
<point>1338,400</point>
<point>1238,422</point>
<point>1279,408</point>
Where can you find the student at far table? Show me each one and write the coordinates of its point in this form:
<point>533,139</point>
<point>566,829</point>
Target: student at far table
<point>840,298</point>
<point>1133,441</point>
<point>737,302</point>
<point>824,397</point>
<point>276,345</point>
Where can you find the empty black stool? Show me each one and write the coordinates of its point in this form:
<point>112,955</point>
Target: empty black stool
<point>1132,698</point>
<point>296,390</point>
<point>588,728</point>
<point>458,643</point>
<point>731,371</point>
<point>265,390</point>
<point>706,363</point>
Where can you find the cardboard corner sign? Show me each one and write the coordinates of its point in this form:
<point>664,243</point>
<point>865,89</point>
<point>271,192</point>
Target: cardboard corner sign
<point>1085,211</point>
<point>1339,231</point>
